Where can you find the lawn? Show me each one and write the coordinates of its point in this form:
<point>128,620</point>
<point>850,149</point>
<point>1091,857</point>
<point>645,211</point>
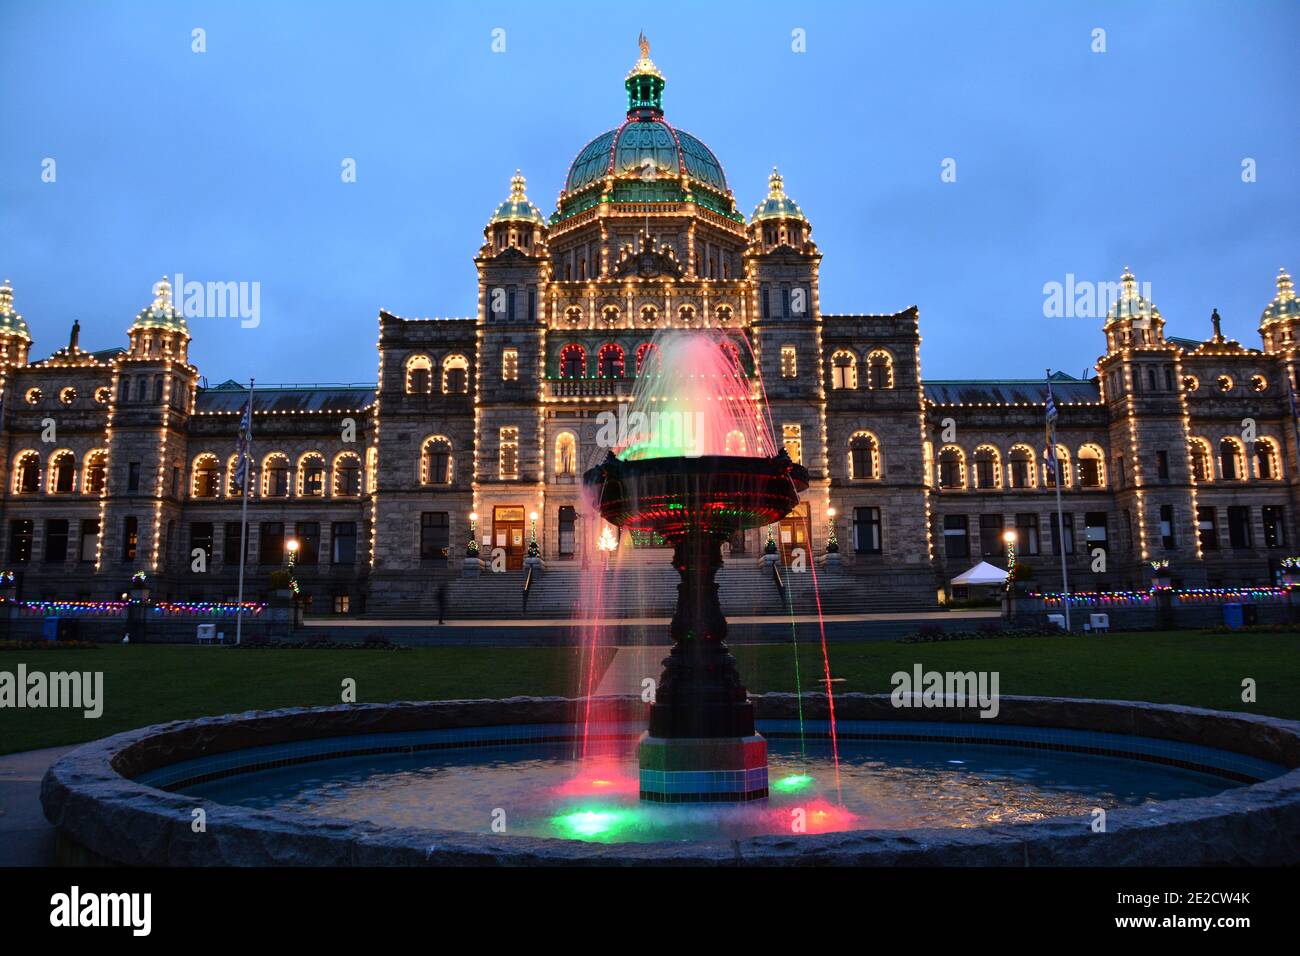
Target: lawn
<point>1172,667</point>
<point>149,684</point>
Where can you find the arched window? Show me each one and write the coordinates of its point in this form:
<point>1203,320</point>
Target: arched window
<point>311,475</point>
<point>63,468</point>
<point>346,482</point>
<point>1232,460</point>
<point>609,361</point>
<point>952,468</point>
<point>880,369</point>
<point>988,467</point>
<point>95,472</point>
<point>844,369</point>
<point>206,479</point>
<point>418,368</point>
<point>566,454</point>
<point>455,375</point>
<point>1092,467</point>
<point>275,476</point>
<point>864,456</point>
<point>1020,467</point>
<point>27,473</point>
<point>734,443</point>
<point>1061,468</point>
<point>1199,449</point>
<point>435,461</point>
<point>1266,459</point>
<point>647,352</point>
<point>573,361</point>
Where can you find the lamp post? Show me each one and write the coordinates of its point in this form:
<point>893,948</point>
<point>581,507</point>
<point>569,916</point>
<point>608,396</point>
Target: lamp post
<point>533,550</point>
<point>832,543</point>
<point>1009,537</point>
<point>471,549</point>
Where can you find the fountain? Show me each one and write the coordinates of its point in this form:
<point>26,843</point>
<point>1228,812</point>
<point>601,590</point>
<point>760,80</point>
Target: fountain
<point>668,480</point>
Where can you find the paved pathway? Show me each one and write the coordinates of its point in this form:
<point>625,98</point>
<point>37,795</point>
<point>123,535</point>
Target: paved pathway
<point>26,838</point>
<point>550,622</point>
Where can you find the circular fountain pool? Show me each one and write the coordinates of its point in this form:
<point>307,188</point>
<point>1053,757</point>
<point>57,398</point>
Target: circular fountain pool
<point>498,781</point>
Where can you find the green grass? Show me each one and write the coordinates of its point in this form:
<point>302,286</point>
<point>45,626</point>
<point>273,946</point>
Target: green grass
<point>150,684</point>
<point>147,685</point>
<point>1170,667</point>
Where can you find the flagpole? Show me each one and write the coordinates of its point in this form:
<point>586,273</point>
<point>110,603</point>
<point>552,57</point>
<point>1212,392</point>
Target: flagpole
<point>1060,518</point>
<point>243,518</point>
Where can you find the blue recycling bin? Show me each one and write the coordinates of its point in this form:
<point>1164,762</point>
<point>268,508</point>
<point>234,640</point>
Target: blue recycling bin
<point>1232,616</point>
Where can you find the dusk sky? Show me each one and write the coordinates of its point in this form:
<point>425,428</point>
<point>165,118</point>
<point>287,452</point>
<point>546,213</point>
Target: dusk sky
<point>225,165</point>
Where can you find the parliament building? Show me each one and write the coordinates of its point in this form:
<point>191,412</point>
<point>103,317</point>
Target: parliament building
<point>479,428</point>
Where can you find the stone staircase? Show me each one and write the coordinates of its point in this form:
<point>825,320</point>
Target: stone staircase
<point>562,593</point>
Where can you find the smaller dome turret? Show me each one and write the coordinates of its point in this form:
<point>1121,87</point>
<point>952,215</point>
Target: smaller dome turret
<point>161,313</point>
<point>1285,304</point>
<point>159,330</point>
<point>777,205</point>
<point>1131,305</point>
<point>11,323</point>
<point>517,223</point>
<point>778,220</point>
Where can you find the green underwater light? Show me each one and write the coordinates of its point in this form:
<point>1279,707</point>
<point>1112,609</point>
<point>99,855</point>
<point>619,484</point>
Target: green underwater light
<point>593,824</point>
<point>796,781</point>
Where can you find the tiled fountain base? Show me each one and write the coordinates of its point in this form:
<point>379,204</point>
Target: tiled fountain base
<point>703,769</point>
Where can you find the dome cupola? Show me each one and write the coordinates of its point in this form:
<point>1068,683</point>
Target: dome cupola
<point>11,323</point>
<point>1285,305</point>
<point>517,224</point>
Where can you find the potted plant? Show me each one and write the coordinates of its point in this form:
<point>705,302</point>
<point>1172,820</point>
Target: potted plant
<point>1160,580</point>
<point>139,586</point>
<point>1019,578</point>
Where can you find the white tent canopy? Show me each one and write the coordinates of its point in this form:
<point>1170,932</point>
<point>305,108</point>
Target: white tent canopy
<point>982,573</point>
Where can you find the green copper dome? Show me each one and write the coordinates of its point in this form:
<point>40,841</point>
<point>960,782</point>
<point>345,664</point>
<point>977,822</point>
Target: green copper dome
<point>1131,305</point>
<point>1285,304</point>
<point>517,208</point>
<point>161,314</point>
<point>777,205</point>
<point>11,323</point>
<point>646,157</point>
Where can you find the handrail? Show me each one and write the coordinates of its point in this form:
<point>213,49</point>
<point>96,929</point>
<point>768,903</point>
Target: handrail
<point>528,586</point>
<point>776,579</point>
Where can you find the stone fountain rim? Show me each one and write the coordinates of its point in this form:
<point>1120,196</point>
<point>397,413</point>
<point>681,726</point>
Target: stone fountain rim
<point>103,814</point>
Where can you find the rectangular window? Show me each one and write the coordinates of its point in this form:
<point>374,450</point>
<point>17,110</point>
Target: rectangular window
<point>984,473</point>
<point>510,365</point>
<point>435,536</point>
<point>510,306</point>
<point>1167,536</point>
<point>20,540</point>
<point>509,453</point>
<point>133,476</point>
<point>991,543</point>
<point>766,306</point>
<point>202,534</point>
<point>89,539</point>
<point>1062,533</point>
<point>1094,531</point>
<point>568,521</point>
<point>1019,473</point>
<point>130,537</point>
<point>1239,535</point>
<point>1090,472</point>
<point>785,301</point>
<point>1027,534</point>
<point>234,535</point>
<point>270,545</point>
<point>532,304</point>
<point>56,540</point>
<point>1274,526</point>
<point>792,438</point>
<point>1206,528</point>
<point>308,535</point>
<point>789,362</point>
<point>342,604</point>
<point>343,547</point>
<point>866,530</point>
<point>1162,465</point>
<point>956,541</point>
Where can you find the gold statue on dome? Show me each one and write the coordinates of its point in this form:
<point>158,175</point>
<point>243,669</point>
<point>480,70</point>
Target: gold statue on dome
<point>644,44</point>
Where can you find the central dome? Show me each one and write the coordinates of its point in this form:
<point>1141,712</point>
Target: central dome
<point>646,159</point>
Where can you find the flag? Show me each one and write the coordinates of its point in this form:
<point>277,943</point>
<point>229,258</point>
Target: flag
<point>1051,429</point>
<point>244,443</point>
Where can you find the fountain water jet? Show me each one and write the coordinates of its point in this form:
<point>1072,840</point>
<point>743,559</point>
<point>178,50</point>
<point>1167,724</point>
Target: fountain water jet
<point>701,745</point>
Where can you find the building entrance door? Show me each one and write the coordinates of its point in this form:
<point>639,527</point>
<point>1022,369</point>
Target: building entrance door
<point>793,533</point>
<point>508,534</point>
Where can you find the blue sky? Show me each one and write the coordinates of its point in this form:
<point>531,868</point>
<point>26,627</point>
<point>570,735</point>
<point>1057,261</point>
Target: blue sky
<point>225,165</point>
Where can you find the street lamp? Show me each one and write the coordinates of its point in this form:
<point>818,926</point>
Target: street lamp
<point>832,543</point>
<point>533,550</point>
<point>471,549</point>
<point>1010,538</point>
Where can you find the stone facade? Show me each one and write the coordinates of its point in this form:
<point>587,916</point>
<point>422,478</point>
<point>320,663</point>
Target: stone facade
<point>1178,448</point>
